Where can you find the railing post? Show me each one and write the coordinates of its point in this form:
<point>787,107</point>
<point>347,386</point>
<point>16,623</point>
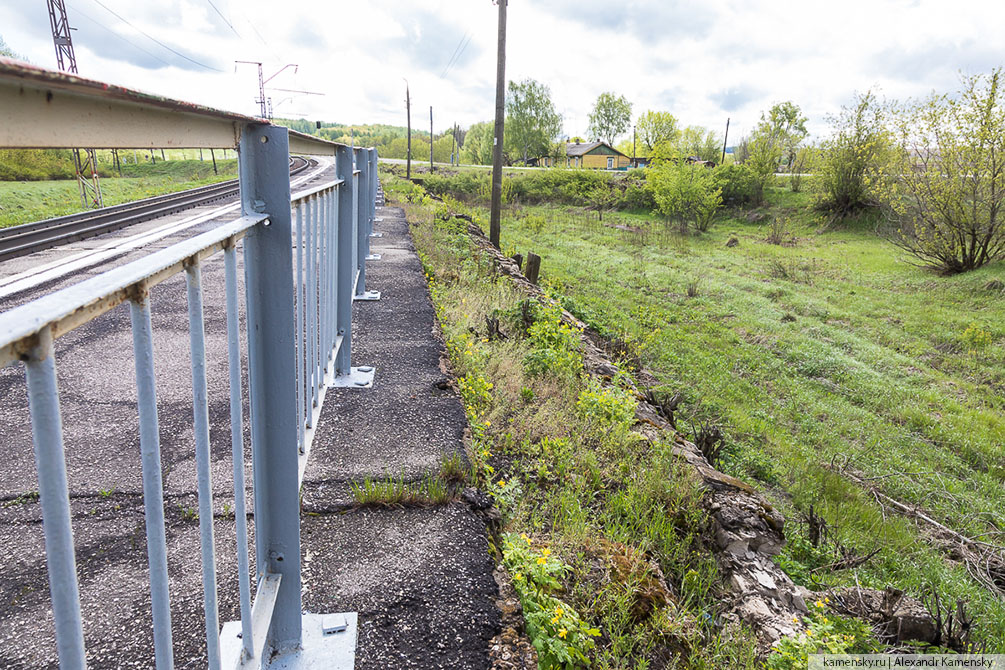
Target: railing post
<point>50,463</point>
<point>345,374</point>
<point>268,266</point>
<point>371,203</point>
<point>364,223</point>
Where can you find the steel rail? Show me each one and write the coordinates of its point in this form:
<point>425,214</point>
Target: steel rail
<point>31,237</point>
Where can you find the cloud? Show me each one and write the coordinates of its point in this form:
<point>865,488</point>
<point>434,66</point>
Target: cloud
<point>651,21</point>
<point>734,98</point>
<point>430,41</point>
<point>938,64</point>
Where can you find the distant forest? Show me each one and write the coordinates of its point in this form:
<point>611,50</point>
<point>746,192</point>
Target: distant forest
<point>390,141</point>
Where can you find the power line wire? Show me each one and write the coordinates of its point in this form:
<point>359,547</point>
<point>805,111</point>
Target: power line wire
<point>457,58</point>
<point>217,10</point>
<point>125,39</point>
<point>451,59</point>
<point>154,39</point>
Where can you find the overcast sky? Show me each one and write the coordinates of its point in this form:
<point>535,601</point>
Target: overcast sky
<point>702,61</point>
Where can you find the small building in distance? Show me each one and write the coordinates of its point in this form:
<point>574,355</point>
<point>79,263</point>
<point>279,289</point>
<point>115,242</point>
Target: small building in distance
<point>595,155</point>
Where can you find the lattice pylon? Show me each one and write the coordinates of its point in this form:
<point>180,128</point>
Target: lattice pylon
<point>84,160</point>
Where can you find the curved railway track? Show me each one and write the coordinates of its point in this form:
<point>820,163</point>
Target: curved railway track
<point>30,237</point>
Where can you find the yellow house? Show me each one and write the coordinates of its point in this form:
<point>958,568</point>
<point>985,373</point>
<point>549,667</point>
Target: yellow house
<point>595,155</point>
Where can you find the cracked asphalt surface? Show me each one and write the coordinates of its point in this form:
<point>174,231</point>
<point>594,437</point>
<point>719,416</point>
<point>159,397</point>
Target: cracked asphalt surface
<point>420,578</point>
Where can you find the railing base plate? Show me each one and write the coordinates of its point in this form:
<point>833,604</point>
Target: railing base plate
<point>369,295</point>
<point>376,234</point>
<point>360,378</point>
<point>320,651</point>
<point>373,257</point>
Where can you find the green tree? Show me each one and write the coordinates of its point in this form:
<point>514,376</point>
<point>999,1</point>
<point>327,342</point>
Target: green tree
<point>952,177</point>
<point>855,165</point>
<point>7,52</point>
<point>655,127</point>
<point>477,149</point>
<point>532,123</point>
<point>701,143</point>
<point>785,126</point>
<point>611,117</point>
<point>398,148</point>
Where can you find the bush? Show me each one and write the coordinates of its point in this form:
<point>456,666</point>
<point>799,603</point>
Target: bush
<point>560,636</point>
<point>580,188</point>
<point>855,162</point>
<point>737,183</point>
<point>685,193</point>
<point>36,164</point>
<point>824,634</point>
<point>554,346</point>
<point>952,179</point>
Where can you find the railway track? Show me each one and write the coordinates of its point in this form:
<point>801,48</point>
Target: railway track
<point>31,237</point>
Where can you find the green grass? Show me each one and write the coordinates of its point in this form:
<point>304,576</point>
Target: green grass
<point>23,202</point>
<point>556,452</point>
<point>827,354</point>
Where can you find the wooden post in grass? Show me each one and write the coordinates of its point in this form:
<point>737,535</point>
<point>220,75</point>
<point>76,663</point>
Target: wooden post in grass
<point>533,267</point>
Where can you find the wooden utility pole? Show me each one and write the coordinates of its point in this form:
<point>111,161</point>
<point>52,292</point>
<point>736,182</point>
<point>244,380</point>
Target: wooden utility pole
<point>635,162</point>
<point>430,139</point>
<point>408,116</point>
<point>453,143</point>
<point>497,149</point>
<point>724,139</point>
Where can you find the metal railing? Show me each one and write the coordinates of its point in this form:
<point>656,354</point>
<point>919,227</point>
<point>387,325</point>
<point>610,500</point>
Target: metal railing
<point>304,264</point>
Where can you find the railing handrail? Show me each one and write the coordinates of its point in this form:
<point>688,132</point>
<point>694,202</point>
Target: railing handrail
<point>104,116</point>
<point>75,305</point>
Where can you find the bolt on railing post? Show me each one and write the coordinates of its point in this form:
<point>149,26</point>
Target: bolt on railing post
<point>268,264</point>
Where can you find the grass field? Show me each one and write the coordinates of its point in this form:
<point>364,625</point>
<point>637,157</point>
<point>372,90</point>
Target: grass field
<point>23,202</point>
<point>825,354</point>
<point>837,372</point>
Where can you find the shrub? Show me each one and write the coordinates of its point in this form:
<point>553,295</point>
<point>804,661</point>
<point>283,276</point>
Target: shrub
<point>765,153</point>
<point>824,634</point>
<point>608,406</point>
<point>737,183</point>
<point>856,160</point>
<point>556,630</point>
<point>954,186</point>
<point>685,193</point>
<point>554,346</point>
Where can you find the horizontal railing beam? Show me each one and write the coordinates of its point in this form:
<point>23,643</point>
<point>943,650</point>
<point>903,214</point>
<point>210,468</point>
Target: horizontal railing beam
<point>299,196</point>
<point>75,305</point>
<point>46,109</point>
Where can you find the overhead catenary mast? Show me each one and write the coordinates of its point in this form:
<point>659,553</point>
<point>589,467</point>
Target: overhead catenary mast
<point>264,103</point>
<point>84,160</point>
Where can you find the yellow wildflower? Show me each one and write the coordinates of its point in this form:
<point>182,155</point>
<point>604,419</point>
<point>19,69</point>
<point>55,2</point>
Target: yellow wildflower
<point>562,632</point>
<point>554,619</point>
<point>501,483</point>
<point>546,552</point>
<point>518,576</point>
<point>541,561</point>
<point>558,611</point>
